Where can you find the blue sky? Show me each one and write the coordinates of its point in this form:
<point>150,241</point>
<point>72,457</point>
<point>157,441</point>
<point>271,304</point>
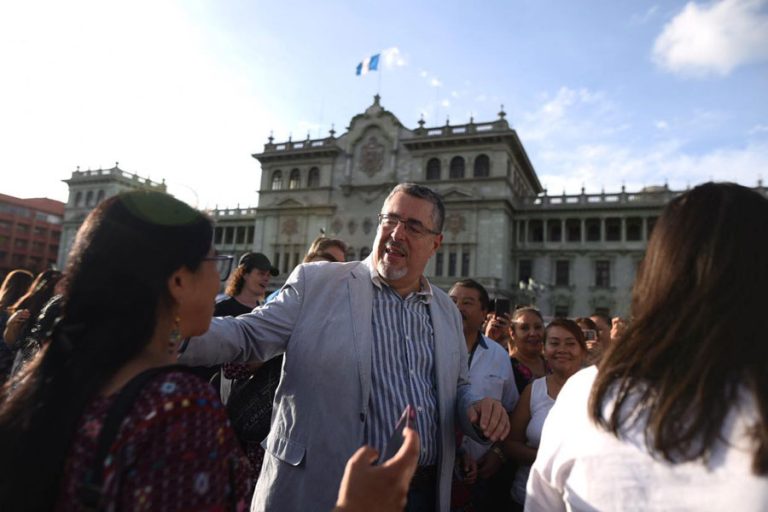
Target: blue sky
<point>602,93</point>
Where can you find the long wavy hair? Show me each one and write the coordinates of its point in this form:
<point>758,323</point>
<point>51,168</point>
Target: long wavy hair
<point>115,288</point>
<point>38,293</point>
<point>698,335</point>
<point>14,286</point>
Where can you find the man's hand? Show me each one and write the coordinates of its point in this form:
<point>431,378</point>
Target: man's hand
<point>491,417</point>
<point>468,467</point>
<point>489,464</point>
<point>381,488</point>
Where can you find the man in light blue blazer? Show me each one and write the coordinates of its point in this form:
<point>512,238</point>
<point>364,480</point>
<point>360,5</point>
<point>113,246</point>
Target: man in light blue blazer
<point>361,341</point>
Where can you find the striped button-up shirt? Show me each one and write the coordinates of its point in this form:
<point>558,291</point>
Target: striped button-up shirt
<point>403,367</point>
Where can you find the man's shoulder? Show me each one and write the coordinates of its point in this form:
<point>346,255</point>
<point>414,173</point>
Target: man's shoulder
<point>334,270</point>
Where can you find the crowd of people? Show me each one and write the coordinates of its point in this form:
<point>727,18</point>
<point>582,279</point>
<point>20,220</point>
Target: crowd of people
<point>127,386</point>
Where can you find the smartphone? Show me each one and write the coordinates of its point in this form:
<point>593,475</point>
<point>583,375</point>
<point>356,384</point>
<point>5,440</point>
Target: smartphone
<point>397,438</point>
<point>501,307</point>
<point>590,334</point>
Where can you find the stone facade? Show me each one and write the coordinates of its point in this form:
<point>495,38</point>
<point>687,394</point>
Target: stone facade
<point>89,188</point>
<point>497,211</point>
<point>570,255</point>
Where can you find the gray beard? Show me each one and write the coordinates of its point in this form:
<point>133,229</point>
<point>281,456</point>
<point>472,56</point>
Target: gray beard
<point>390,274</point>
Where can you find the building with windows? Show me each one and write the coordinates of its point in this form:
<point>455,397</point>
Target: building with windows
<point>569,254</point>
<point>30,230</point>
<point>89,188</point>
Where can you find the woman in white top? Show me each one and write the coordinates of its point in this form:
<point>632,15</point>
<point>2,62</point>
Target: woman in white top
<point>565,350</point>
<point>676,418</point>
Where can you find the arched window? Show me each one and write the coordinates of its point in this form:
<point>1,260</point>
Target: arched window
<point>89,198</point>
<point>482,166</point>
<point>364,252</point>
<point>277,180</point>
<point>350,256</point>
<point>78,199</point>
<point>295,180</point>
<point>433,169</point>
<point>313,179</point>
<point>457,168</point>
<point>99,196</point>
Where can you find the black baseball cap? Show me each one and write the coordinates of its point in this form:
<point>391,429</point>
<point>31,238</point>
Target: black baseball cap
<point>251,260</point>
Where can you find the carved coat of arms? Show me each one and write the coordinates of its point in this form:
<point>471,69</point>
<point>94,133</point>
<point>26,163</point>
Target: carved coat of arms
<point>455,223</point>
<point>290,226</point>
<point>372,157</point>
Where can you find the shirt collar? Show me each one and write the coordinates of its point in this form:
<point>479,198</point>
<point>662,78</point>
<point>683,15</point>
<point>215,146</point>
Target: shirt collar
<point>425,288</point>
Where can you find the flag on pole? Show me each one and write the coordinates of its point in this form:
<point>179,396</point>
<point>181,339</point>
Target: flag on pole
<point>369,64</point>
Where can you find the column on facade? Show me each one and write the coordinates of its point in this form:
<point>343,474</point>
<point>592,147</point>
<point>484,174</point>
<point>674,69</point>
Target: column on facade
<point>583,230</point>
<point>563,234</point>
<point>525,231</point>
<point>623,228</point>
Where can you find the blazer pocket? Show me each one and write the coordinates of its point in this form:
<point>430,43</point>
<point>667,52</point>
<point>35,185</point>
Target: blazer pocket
<point>284,449</point>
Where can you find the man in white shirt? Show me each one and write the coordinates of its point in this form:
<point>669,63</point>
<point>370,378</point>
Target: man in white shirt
<point>490,374</point>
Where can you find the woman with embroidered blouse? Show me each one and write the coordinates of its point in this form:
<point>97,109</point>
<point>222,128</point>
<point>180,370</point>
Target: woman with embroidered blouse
<point>141,276</point>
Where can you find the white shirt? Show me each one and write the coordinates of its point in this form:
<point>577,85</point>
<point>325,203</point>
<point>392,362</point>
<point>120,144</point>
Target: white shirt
<point>490,375</point>
<point>541,404</point>
<point>583,467</point>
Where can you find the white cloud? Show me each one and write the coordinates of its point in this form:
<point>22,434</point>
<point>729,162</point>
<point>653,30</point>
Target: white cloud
<point>454,94</point>
<point>609,166</point>
<point>579,138</point>
<point>569,114</point>
<point>393,58</point>
<point>714,38</point>
<point>757,129</point>
<point>423,74</point>
<point>445,103</point>
<point>435,82</point>
<point>481,98</point>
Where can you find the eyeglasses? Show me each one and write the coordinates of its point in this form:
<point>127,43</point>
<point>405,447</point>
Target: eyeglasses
<point>223,264</point>
<point>413,226</point>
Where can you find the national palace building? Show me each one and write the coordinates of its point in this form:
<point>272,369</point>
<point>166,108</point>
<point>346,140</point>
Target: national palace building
<point>569,254</point>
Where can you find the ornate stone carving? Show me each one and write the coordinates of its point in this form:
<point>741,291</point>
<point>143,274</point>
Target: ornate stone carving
<point>455,223</point>
<point>372,156</point>
<point>290,226</point>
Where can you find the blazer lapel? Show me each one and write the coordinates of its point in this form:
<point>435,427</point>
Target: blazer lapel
<point>361,313</point>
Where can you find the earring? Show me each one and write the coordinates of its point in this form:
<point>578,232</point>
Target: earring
<point>175,338</point>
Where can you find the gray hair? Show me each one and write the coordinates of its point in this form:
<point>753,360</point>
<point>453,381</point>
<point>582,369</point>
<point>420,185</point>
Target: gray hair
<point>426,193</point>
